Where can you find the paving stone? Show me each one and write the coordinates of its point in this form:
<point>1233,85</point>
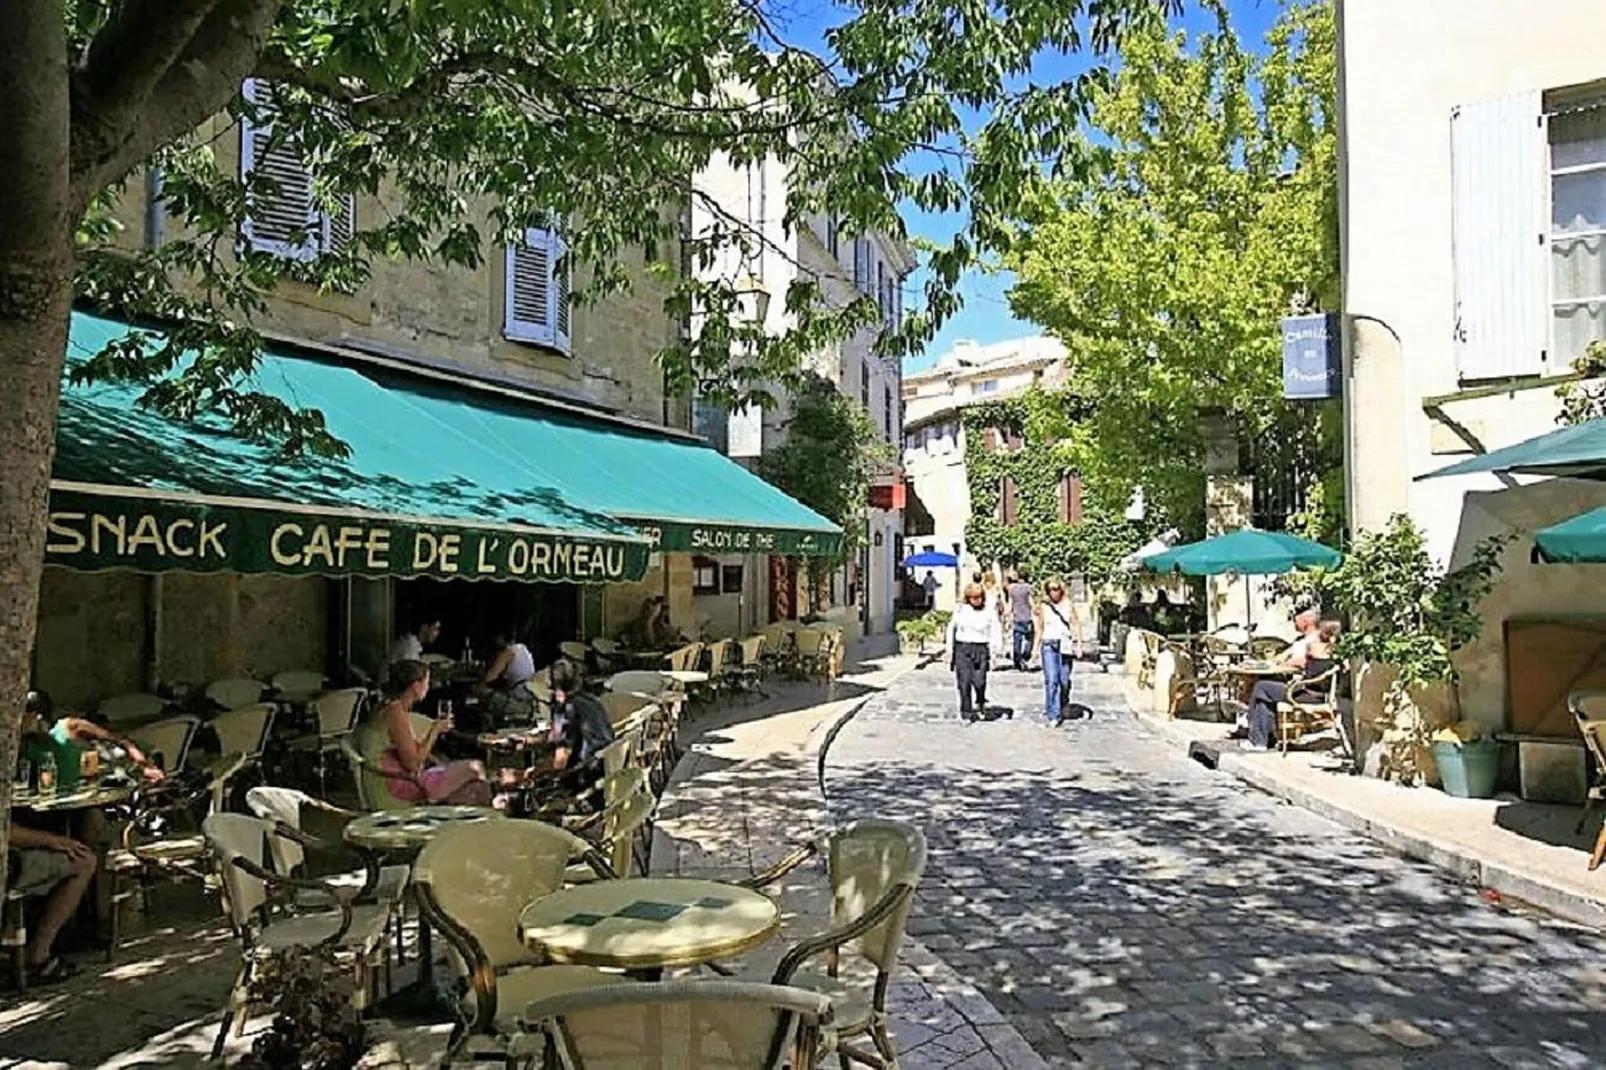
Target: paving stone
<point>1122,906</point>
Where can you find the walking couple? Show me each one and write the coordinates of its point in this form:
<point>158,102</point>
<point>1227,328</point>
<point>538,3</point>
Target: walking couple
<point>975,631</point>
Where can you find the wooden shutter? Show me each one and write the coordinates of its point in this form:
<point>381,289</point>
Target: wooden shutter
<point>538,308</point>
<point>1071,499</point>
<point>1499,202</point>
<point>282,220</point>
<point>989,441</point>
<point>1006,502</point>
<point>861,264</point>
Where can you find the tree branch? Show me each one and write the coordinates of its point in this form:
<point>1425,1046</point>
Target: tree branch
<point>199,81</point>
<point>132,53</point>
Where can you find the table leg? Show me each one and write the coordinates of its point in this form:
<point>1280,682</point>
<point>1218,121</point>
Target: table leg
<point>423,999</point>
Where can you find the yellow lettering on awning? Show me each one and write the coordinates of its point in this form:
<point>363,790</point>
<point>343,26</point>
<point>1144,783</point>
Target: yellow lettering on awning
<point>72,540</point>
<point>280,555</point>
<point>173,545</point>
<point>117,527</point>
<point>146,533</point>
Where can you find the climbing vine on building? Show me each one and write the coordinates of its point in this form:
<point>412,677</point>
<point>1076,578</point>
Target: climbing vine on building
<point>1020,447</point>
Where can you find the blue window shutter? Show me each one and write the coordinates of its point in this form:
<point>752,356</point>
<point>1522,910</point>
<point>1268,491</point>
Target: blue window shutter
<point>284,221</point>
<point>1499,198</point>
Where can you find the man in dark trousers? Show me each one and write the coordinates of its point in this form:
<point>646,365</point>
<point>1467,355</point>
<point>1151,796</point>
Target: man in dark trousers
<point>1021,613</point>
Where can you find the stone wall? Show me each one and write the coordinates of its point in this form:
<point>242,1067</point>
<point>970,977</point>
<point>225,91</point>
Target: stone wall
<point>452,317</point>
<point>93,630</point>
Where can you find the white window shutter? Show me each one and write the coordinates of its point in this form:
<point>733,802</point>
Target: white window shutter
<point>537,294</point>
<point>1500,201</point>
<point>284,222</point>
<point>562,311</point>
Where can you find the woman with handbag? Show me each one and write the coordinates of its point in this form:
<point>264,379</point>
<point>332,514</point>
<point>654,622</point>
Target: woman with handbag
<point>1058,628</point>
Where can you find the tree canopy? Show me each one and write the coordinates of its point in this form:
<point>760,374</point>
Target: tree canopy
<point>1197,209</point>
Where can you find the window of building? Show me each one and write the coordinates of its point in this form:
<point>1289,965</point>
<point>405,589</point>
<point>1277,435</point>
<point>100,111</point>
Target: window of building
<point>887,410</point>
<point>536,304</point>
<point>731,579</point>
<point>881,289</point>
<point>833,235</point>
<point>864,385</point>
<point>1070,495</point>
<point>287,220</point>
<point>1006,502</point>
<point>987,386</point>
<point>704,575</point>
<point>1577,231</point>
<point>863,254</point>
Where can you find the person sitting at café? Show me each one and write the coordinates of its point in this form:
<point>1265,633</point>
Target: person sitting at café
<point>407,764</point>
<point>505,688</point>
<point>61,869</point>
<point>409,645</point>
<point>580,727</point>
<point>69,737</point>
<point>1314,655</point>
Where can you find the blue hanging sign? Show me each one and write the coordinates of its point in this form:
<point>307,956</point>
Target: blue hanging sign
<point>1312,360</point>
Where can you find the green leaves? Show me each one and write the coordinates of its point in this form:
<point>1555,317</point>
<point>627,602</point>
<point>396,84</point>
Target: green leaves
<point>1179,230</point>
<point>830,454</point>
<point>459,123</point>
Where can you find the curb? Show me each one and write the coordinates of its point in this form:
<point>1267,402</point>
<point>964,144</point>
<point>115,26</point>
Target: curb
<point>1459,862</point>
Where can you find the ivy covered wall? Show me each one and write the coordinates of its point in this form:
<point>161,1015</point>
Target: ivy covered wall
<point>1030,449</point>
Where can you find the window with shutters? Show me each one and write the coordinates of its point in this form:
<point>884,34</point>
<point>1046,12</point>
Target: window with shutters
<point>1070,499</point>
<point>284,215</point>
<point>537,306</point>
<point>989,441</point>
<point>887,410</point>
<point>1577,229</point>
<point>833,235</point>
<point>864,385</point>
<point>862,255</point>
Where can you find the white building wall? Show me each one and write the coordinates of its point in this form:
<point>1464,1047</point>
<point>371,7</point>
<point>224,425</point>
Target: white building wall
<point>1406,66</point>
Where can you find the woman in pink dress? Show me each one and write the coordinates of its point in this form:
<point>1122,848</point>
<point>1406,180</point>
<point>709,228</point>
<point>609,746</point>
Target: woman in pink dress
<point>406,763</point>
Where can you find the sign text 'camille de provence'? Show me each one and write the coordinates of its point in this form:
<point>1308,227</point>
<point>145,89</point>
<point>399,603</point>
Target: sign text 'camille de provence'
<point>89,533</point>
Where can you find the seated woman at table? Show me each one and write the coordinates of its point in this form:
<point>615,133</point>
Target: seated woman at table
<point>1314,656</point>
<point>411,773</point>
<point>70,736</point>
<point>504,689</point>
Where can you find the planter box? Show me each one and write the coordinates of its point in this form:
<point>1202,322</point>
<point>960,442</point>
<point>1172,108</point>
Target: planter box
<point>1552,772</point>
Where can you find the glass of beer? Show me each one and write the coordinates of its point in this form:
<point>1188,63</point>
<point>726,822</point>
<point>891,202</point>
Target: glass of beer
<point>89,764</point>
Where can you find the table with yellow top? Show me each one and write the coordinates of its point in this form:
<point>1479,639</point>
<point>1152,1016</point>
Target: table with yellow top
<point>647,924</point>
<point>1249,673</point>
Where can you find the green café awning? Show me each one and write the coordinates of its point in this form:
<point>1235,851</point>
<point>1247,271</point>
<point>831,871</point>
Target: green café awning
<point>1578,451</point>
<point>423,492</point>
<point>1579,540</point>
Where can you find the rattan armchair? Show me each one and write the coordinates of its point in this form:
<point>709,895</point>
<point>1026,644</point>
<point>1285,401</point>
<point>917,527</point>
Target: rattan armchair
<point>874,868</point>
<point>1311,705</point>
<point>677,1025</point>
<point>473,880</point>
<point>1589,710</point>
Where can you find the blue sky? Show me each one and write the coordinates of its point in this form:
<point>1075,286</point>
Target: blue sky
<point>986,316</point>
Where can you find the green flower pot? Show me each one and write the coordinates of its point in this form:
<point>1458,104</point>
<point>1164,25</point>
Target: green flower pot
<point>1468,770</point>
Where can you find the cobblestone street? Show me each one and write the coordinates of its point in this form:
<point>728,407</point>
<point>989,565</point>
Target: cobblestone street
<point>1124,907</point>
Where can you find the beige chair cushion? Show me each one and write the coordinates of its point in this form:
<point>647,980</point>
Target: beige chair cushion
<point>520,987</point>
<point>850,1001</point>
<point>366,934</point>
<point>392,885</point>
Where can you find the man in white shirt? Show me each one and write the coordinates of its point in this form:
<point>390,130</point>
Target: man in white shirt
<point>1306,621</point>
<point>409,646</point>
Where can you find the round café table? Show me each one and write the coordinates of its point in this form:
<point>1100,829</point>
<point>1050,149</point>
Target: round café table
<point>1249,673</point>
<point>686,677</point>
<point>405,832</point>
<point>645,925</point>
<point>82,796</point>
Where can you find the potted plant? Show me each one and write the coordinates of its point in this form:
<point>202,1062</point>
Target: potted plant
<point>915,633</point>
<point>1468,761</point>
<point>1407,616</point>
<point>316,1025</point>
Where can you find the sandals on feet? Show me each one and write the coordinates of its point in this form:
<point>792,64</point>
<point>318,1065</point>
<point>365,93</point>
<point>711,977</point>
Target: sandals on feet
<point>52,971</point>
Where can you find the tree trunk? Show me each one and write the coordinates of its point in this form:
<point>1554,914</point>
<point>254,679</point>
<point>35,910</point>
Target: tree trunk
<point>36,264</point>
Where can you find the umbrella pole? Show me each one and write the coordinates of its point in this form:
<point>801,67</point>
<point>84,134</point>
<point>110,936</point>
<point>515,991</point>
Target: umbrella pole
<point>1249,609</point>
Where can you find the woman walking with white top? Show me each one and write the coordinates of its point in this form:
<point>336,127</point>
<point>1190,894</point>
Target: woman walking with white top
<point>1057,628</point>
<point>972,634</point>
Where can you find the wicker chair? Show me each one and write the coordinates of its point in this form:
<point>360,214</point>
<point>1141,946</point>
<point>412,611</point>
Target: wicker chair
<point>235,692</point>
<point>363,749</point>
<point>1311,706</point>
<point>337,713</point>
<point>473,881</point>
<point>677,1025</point>
<point>1589,710</point>
<point>874,868</point>
<point>239,848</point>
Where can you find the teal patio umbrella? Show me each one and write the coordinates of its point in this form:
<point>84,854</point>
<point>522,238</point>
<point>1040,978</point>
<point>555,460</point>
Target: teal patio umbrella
<point>1579,540</point>
<point>1578,451</point>
<point>1248,552</point>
